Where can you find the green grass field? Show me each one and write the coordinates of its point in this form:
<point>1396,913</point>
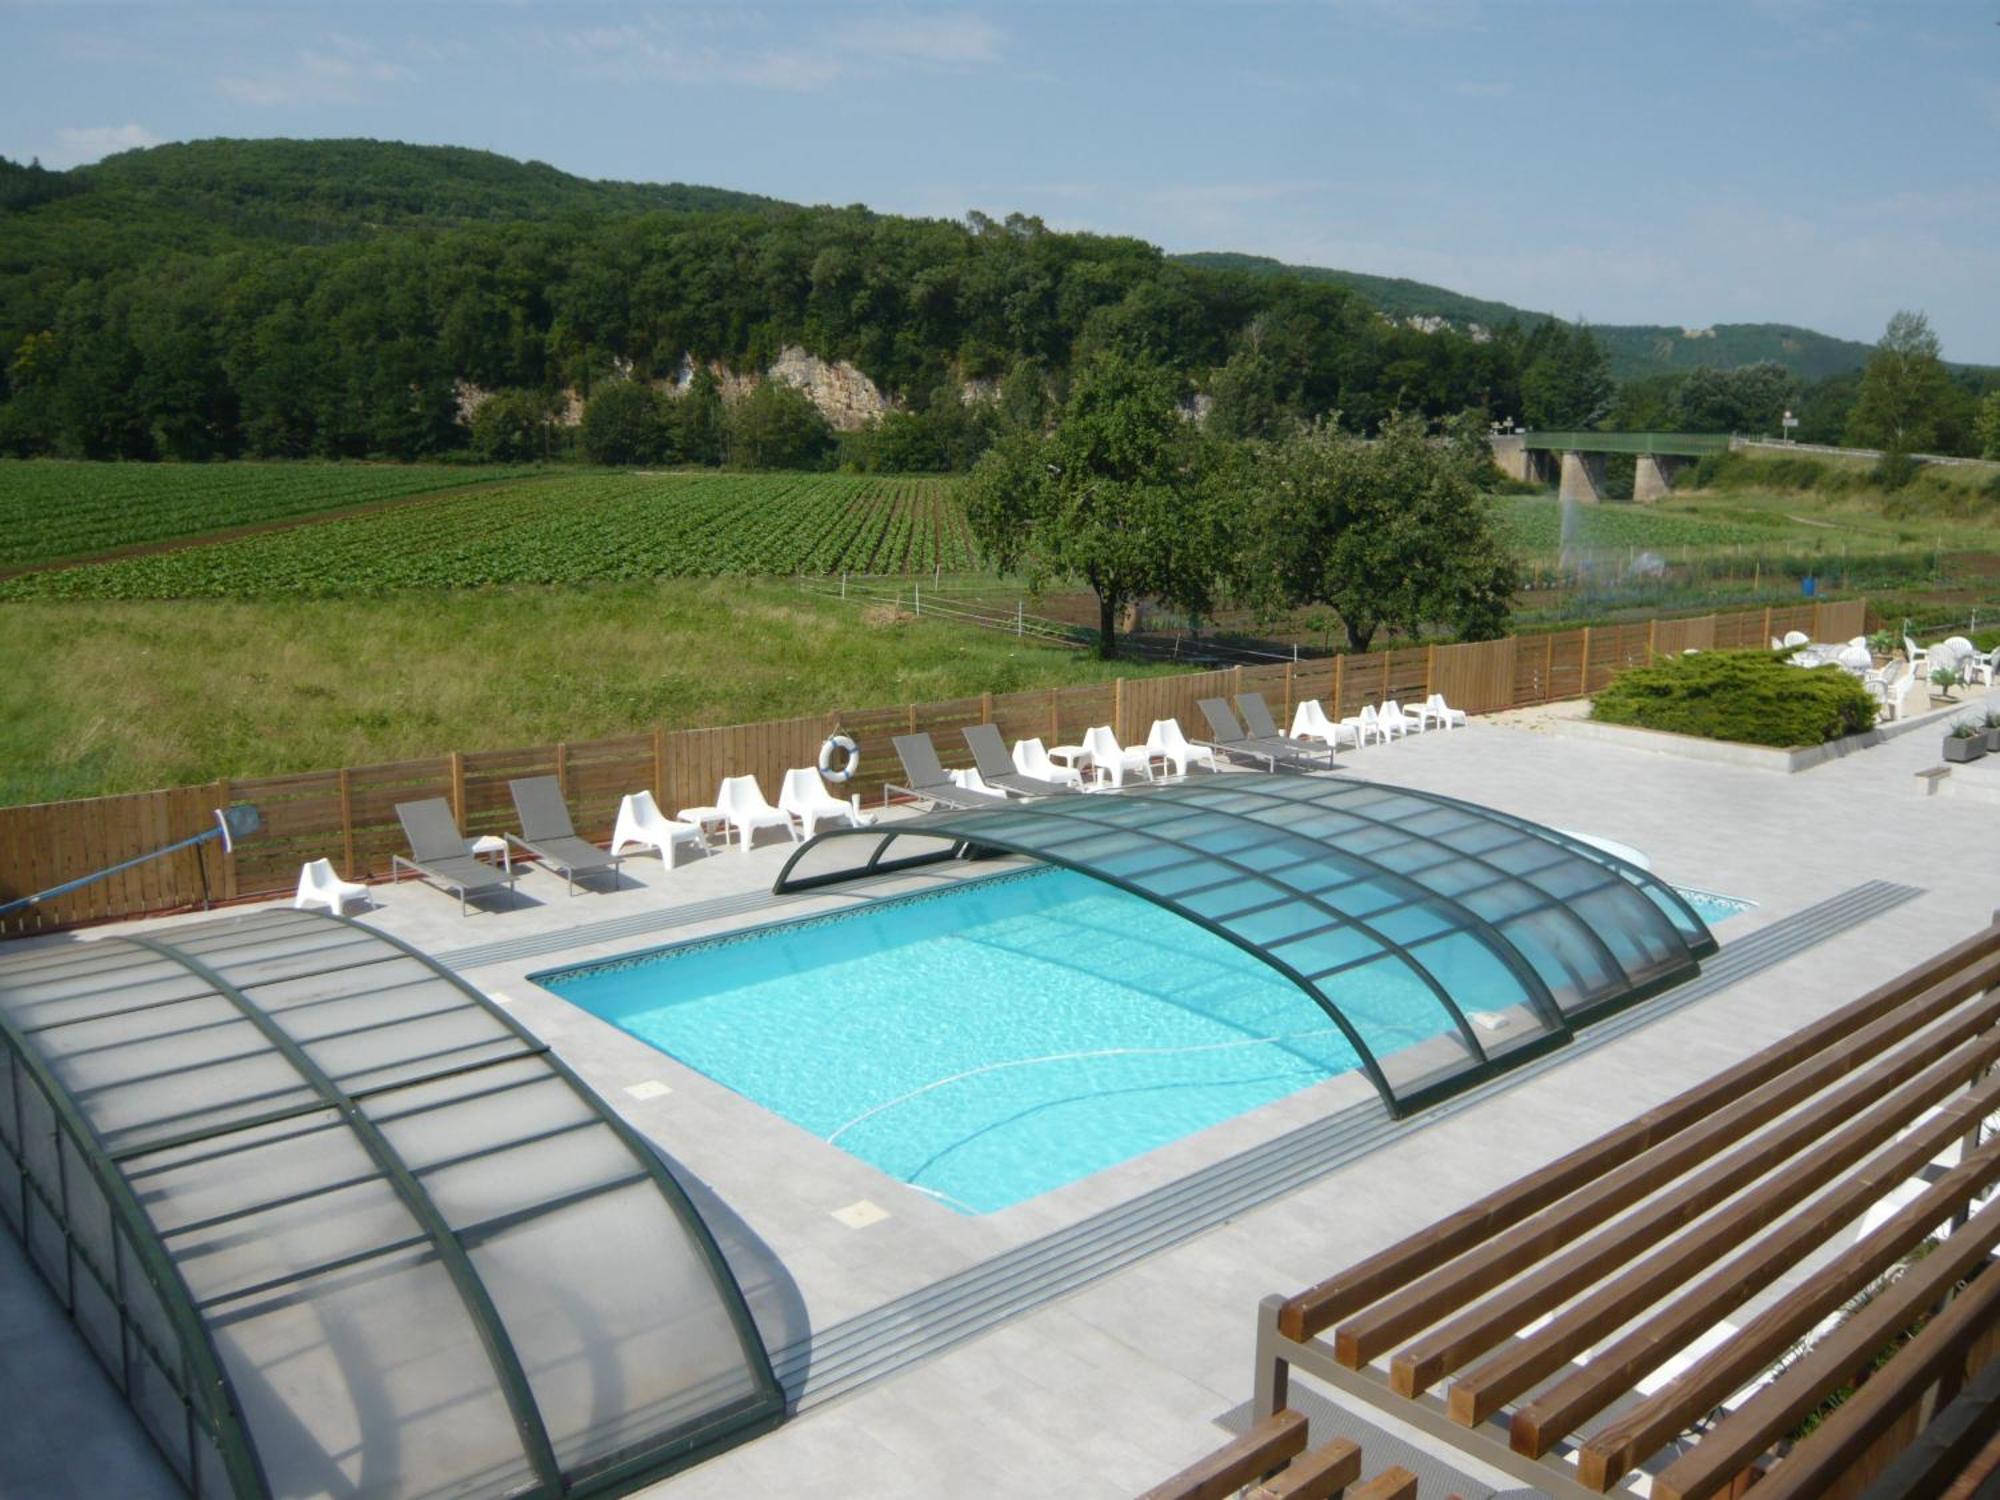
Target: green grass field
<point>124,696</point>
<point>580,528</point>
<point>51,509</point>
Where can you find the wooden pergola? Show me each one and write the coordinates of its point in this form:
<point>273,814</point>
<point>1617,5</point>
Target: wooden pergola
<point>1687,1297</point>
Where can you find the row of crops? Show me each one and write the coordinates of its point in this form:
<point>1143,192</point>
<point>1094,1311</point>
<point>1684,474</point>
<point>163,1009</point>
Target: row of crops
<point>51,510</point>
<point>585,528</point>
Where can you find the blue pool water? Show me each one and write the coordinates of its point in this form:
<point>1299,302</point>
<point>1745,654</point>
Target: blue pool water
<point>986,1043</point>
<point>1712,908</point>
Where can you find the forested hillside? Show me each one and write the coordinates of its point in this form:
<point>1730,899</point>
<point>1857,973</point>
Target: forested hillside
<point>289,298</point>
<point>1634,350</point>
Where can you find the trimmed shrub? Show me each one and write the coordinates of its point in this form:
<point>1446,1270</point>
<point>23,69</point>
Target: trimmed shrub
<point>1753,697</point>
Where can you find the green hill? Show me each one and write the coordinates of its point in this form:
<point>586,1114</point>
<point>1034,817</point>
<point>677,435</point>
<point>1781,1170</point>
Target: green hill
<point>1634,349</point>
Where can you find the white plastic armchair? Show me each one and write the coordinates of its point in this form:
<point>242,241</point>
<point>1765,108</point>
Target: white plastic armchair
<point>745,809</point>
<point>1110,761</point>
<point>1436,710</point>
<point>1031,758</point>
<point>806,801</point>
<point>320,886</point>
<point>1918,658</point>
<point>641,825</point>
<point>1796,638</point>
<point>1309,722</point>
<point>1167,742</point>
<point>1395,721</point>
<point>1370,723</point>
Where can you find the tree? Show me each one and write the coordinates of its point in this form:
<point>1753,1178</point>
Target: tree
<point>1566,383</point>
<point>777,426</point>
<point>1748,399</point>
<point>700,423</point>
<point>1903,390</point>
<point>623,424</point>
<point>514,427</point>
<point>1389,533</point>
<point>1121,493</point>
<point>1986,426</point>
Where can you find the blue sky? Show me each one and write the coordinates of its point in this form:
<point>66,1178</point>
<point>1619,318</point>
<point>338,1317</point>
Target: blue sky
<point>1674,161</point>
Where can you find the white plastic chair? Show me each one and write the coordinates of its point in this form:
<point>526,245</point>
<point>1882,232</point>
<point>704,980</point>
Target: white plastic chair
<point>642,825</point>
<point>1110,761</point>
<point>1437,710</point>
<point>1371,723</point>
<point>1795,638</point>
<point>1031,758</point>
<point>1886,686</point>
<point>320,886</point>
<point>805,799</point>
<point>1777,643</point>
<point>1394,720</point>
<point>1166,741</point>
<point>744,809</point>
<point>1918,658</point>
<point>1309,722</point>
<point>1856,659</point>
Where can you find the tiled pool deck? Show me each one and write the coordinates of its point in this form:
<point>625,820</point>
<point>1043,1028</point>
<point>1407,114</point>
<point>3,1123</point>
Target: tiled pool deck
<point>1113,1386</point>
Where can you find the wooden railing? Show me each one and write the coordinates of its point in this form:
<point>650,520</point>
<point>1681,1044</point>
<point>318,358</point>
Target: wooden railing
<point>349,815</point>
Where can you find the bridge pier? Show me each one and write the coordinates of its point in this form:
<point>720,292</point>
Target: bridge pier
<point>1510,455</point>
<point>1654,477</point>
<point>1582,477</point>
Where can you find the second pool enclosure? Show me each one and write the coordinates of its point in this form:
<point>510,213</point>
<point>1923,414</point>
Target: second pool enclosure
<point>1511,934</point>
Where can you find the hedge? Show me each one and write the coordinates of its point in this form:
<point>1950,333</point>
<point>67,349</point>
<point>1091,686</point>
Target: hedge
<point>1755,697</point>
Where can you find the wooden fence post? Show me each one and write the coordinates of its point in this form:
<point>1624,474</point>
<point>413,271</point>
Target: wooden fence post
<point>1766,637</point>
<point>1384,697</point>
<point>1583,678</point>
<point>913,720</point>
<point>1652,640</point>
<point>1548,666</point>
<point>562,768</point>
<point>1055,719</point>
<point>1815,620</point>
<point>660,763</point>
<point>458,789</point>
<point>1288,695</point>
<point>1236,680</point>
<point>1339,663</point>
<point>986,708</point>
<point>346,782</point>
<point>1430,669</point>
<point>1119,727</point>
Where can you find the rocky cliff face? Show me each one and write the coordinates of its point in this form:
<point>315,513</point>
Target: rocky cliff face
<point>847,398</point>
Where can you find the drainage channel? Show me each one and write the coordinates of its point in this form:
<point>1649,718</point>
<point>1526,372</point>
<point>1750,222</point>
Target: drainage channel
<point>855,1353</point>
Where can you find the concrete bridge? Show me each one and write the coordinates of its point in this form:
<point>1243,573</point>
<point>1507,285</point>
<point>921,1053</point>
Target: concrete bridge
<point>1575,460</point>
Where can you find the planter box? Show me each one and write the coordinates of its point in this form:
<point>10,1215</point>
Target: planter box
<point>1993,741</point>
<point>1958,751</point>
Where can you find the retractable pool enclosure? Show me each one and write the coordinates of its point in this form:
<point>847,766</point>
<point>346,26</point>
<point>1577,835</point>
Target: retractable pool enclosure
<point>337,1226</point>
<point>1379,902</point>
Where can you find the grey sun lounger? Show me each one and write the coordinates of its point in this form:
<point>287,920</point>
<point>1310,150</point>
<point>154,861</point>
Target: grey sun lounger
<point>548,834</point>
<point>996,767</point>
<point>928,780</point>
<point>1227,734</point>
<point>1264,729</point>
<point>437,853</point>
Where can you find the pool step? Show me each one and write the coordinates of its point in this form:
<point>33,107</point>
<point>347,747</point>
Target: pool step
<point>871,1346</point>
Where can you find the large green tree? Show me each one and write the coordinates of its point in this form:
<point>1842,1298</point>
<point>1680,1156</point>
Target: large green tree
<point>1566,381</point>
<point>1986,426</point>
<point>1904,390</point>
<point>1390,533</point>
<point>776,426</point>
<point>1122,493</point>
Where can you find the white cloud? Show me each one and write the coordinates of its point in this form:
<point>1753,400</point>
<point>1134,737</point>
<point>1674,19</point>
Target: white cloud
<point>696,47</point>
<point>76,145</point>
<point>341,70</point>
<point>957,38</point>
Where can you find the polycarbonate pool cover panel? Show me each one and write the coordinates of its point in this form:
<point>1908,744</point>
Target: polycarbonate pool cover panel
<point>1512,933</point>
<point>423,1259</point>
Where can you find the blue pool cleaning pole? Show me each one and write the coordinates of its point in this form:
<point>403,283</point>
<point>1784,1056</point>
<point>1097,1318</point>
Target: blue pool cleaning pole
<point>231,824</point>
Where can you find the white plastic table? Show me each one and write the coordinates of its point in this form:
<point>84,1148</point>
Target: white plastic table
<point>703,818</point>
<point>492,843</point>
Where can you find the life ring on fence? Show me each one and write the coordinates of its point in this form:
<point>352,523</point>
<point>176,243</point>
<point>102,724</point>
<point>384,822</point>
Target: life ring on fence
<point>826,751</point>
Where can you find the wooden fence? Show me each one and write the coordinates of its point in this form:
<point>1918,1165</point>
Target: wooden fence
<point>349,815</point>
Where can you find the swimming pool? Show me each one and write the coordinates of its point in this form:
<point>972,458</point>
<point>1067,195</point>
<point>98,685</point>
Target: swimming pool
<point>989,1042</point>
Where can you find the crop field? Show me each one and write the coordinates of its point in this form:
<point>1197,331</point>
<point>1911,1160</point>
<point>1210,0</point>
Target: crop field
<point>601,527</point>
<point>50,509</point>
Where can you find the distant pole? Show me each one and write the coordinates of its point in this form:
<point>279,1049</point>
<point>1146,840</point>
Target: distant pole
<point>1017,617</point>
<point>917,598</point>
<point>843,585</point>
